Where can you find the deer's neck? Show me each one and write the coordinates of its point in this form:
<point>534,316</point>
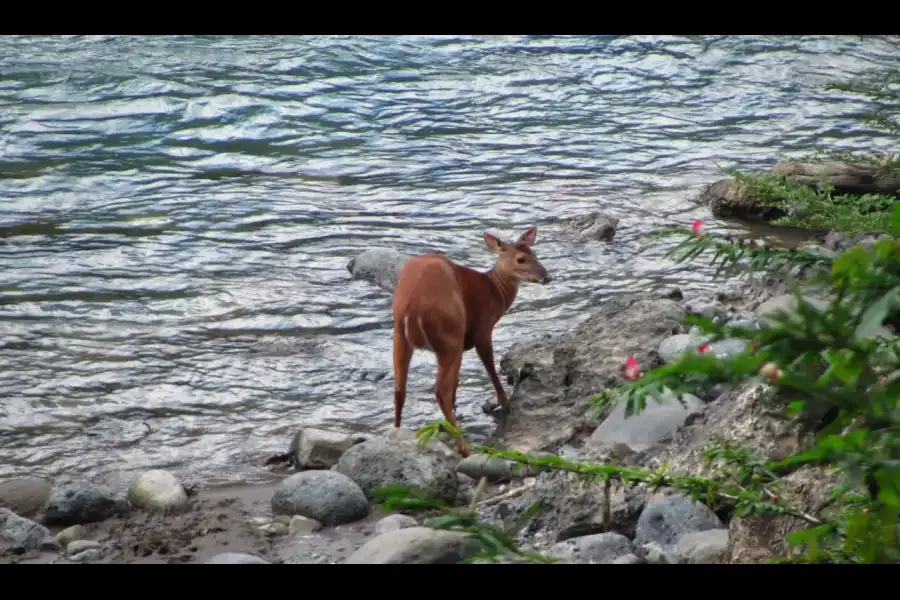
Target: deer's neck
<point>505,289</point>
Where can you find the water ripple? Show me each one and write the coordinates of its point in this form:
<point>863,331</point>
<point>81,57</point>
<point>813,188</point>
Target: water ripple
<point>179,211</point>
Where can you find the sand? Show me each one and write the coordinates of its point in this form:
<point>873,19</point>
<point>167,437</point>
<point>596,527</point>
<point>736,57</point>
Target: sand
<point>224,519</point>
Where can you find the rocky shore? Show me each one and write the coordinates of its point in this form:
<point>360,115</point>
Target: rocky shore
<point>324,512</point>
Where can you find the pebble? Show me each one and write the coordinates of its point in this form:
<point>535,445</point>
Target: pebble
<point>79,546</point>
<point>69,535</point>
<point>301,525</point>
<point>393,523</point>
<point>275,529</point>
<point>91,555</point>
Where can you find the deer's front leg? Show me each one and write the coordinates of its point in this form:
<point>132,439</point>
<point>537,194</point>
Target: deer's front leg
<point>485,350</point>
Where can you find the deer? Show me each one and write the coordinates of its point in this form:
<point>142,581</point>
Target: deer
<point>448,309</point>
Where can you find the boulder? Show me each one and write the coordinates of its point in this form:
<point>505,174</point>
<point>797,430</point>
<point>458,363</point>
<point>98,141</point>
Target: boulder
<point>642,430</point>
<point>416,546</point>
<point>600,548</point>
<point>25,533</point>
<point>553,377</point>
<point>157,491</point>
<point>75,501</point>
<point>329,497</point>
<point>398,461</point>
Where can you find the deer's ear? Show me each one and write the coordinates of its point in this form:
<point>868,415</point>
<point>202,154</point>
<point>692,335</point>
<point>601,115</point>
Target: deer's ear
<point>492,242</point>
<point>528,237</point>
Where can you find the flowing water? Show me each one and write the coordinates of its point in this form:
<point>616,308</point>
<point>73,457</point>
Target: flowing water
<point>177,214</point>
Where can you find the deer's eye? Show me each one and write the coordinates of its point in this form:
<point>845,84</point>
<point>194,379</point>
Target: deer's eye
<point>520,260</point>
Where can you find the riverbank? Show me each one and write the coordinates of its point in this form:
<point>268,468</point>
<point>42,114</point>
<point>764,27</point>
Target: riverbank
<point>327,512</point>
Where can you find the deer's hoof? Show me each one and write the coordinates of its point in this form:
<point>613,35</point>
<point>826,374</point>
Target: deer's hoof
<point>490,408</point>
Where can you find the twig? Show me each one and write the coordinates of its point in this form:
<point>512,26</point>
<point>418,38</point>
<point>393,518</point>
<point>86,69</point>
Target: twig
<point>482,485</point>
<point>795,513</point>
<point>507,495</point>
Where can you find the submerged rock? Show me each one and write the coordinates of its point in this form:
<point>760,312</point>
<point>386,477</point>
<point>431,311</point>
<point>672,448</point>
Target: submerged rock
<point>380,266</point>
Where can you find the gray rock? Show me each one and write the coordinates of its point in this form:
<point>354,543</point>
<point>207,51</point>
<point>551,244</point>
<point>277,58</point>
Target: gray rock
<point>314,448</point>
<point>628,559</point>
<point>393,523</point>
<point>702,547</point>
<point>671,349</point>
<point>727,347</point>
<point>384,462</point>
<point>79,546</point>
<point>236,558</point>
<point>785,303</point>
<point>74,502</point>
<point>416,546</point>
<point>642,430</point>
<point>25,533</point>
<point>601,548</point>
<point>329,497</point>
<point>157,491</point>
<point>494,468</point>
<point>380,266</point>
<point>25,496</point>
<point>665,519</point>
<point>569,507</point>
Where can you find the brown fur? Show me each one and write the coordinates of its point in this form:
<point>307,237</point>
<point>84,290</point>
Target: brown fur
<point>449,309</point>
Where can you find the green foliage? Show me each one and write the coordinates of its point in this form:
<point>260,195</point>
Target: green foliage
<point>817,208</point>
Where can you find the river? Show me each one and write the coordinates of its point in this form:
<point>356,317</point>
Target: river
<point>177,214</point>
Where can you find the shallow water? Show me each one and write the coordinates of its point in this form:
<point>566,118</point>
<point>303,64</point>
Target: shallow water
<point>178,214</point>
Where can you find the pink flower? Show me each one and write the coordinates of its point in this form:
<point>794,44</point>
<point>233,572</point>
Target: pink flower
<point>771,371</point>
<point>631,369</point>
<point>702,348</point>
<point>697,228</point>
